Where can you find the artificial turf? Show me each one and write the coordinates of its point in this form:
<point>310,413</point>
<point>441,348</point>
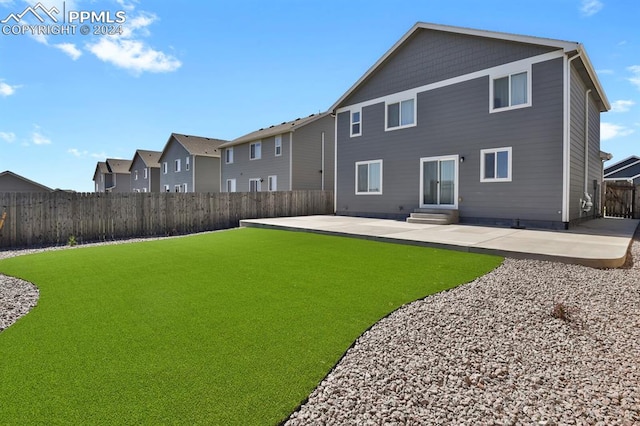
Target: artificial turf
<point>233,327</point>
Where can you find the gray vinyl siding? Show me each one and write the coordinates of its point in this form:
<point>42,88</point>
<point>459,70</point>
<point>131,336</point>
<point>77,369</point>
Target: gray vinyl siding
<point>121,182</point>
<point>455,120</point>
<point>141,183</point>
<point>172,178</point>
<point>577,163</point>
<point>308,170</point>
<point>431,56</point>
<point>243,168</point>
<point>207,174</point>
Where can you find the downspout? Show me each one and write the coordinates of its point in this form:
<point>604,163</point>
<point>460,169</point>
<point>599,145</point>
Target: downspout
<point>290,161</point>
<point>193,173</point>
<point>335,160</point>
<point>587,203</point>
<point>322,165</point>
<point>567,144</point>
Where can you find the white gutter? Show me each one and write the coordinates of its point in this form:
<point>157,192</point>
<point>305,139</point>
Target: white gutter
<point>335,162</point>
<point>566,143</point>
<point>587,201</point>
<point>322,155</point>
<point>290,161</point>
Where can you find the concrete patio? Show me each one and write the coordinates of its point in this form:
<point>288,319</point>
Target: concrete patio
<point>599,243</point>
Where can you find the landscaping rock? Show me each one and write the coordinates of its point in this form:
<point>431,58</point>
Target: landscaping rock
<point>529,343</point>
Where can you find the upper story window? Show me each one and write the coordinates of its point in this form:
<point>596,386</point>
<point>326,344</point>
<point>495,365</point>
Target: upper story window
<point>228,155</point>
<point>145,173</point>
<point>401,114</point>
<point>186,164</point>
<point>231,185</point>
<point>255,151</point>
<point>278,145</point>
<point>135,175</point>
<point>510,91</point>
<point>178,165</point>
<point>165,167</point>
<point>495,165</point>
<point>356,123</point>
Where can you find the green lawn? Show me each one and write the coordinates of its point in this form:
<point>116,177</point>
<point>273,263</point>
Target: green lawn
<point>233,327</point>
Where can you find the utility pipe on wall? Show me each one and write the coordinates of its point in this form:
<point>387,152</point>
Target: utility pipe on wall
<point>587,203</point>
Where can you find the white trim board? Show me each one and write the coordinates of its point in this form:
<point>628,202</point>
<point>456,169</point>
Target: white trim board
<point>500,69</point>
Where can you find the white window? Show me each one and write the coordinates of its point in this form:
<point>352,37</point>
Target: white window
<point>146,173</point>
<point>185,187</point>
<point>186,163</point>
<point>166,188</point>
<point>165,168</point>
<point>510,91</point>
<point>178,163</point>
<point>231,185</point>
<point>176,188</point>
<point>278,145</point>
<point>255,151</point>
<point>356,123</point>
<point>495,165</point>
<point>255,185</point>
<point>144,189</point>
<point>369,177</point>
<point>135,175</point>
<point>401,114</point>
<point>272,183</point>
<point>228,155</point>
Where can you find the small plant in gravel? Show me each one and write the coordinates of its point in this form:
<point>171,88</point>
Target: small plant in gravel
<point>72,241</point>
<point>568,314</point>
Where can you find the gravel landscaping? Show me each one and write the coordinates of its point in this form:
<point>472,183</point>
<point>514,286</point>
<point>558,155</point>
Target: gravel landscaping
<point>529,343</point>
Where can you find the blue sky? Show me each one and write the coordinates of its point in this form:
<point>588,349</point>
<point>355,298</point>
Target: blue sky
<point>221,69</point>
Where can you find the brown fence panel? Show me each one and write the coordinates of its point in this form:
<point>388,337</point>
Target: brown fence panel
<point>45,219</point>
<point>621,200</point>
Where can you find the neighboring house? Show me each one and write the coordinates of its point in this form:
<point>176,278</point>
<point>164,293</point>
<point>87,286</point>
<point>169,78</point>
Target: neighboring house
<point>145,171</point>
<point>102,177</point>
<point>12,182</point>
<point>120,175</point>
<point>489,126</point>
<point>627,170</point>
<point>190,164</point>
<point>112,175</point>
<point>294,155</point>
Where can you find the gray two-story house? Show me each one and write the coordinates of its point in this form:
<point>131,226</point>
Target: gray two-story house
<point>190,164</point>
<point>145,171</point>
<point>500,129</point>
<point>293,155</point>
<point>112,175</point>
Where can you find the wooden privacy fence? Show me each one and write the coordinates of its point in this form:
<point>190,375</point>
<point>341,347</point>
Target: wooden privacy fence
<point>44,219</point>
<point>621,200</point>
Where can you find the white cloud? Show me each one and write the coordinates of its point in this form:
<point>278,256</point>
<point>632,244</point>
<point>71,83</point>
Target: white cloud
<point>70,49</point>
<point>590,7</point>
<point>8,136</point>
<point>129,52</point>
<point>622,105</point>
<point>610,131</point>
<point>605,71</point>
<point>37,138</point>
<point>86,154</point>
<point>7,89</point>
<point>635,79</point>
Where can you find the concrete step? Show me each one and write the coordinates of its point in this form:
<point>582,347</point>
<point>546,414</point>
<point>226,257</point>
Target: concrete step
<point>432,221</point>
<point>433,216</point>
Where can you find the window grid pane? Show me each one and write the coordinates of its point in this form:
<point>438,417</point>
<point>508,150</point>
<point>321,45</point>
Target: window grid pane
<point>501,92</point>
<point>502,164</point>
<point>374,177</point>
<point>363,177</point>
<point>519,89</point>
<point>393,115</point>
<point>406,113</point>
<point>489,165</point>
